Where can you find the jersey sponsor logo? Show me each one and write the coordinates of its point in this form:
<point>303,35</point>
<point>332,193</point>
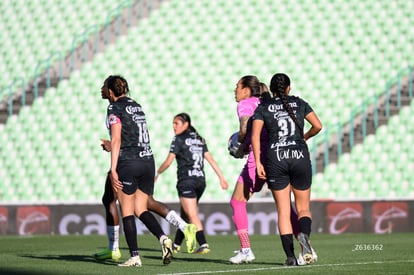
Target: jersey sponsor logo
<point>132,109</point>
<point>146,153</point>
<point>193,141</point>
<point>289,154</point>
<point>282,144</point>
<point>195,173</point>
<point>277,107</point>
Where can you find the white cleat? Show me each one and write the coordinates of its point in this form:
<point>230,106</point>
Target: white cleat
<point>133,261</point>
<point>301,261</point>
<point>167,251</point>
<point>241,257</point>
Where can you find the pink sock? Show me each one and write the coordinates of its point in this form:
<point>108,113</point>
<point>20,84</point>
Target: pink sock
<point>240,221</point>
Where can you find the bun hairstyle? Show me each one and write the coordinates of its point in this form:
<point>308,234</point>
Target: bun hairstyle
<point>184,117</point>
<point>117,84</point>
<point>278,86</point>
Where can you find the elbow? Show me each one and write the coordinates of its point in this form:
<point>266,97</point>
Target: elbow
<point>318,128</point>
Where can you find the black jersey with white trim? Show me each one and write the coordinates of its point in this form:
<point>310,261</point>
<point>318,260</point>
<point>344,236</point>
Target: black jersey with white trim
<point>135,141</point>
<point>189,152</point>
<point>281,129</point>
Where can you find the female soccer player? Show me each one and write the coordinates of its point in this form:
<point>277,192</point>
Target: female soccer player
<point>109,200</point>
<point>190,150</point>
<point>249,92</point>
<point>132,168</point>
<point>287,166</point>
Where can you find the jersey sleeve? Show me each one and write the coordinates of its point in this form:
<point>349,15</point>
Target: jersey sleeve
<point>113,114</point>
<point>258,113</point>
<point>175,145</point>
<point>308,108</point>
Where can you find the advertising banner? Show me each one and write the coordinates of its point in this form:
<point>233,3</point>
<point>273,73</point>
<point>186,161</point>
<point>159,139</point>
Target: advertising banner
<point>333,217</point>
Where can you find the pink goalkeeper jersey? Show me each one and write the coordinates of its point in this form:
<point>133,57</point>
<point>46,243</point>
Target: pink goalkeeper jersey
<point>247,106</point>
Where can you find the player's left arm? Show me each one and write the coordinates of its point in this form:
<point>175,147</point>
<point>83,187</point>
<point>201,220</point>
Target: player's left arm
<point>316,125</point>
<point>223,182</point>
<point>164,166</point>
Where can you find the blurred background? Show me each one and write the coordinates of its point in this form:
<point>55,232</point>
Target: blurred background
<point>351,60</point>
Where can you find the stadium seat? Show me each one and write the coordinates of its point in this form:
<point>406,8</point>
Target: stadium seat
<point>188,61</point>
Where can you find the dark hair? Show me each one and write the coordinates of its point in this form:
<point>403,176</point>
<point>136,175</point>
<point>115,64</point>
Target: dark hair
<point>264,92</point>
<point>184,117</point>
<point>278,86</point>
<point>253,83</point>
<point>117,84</point>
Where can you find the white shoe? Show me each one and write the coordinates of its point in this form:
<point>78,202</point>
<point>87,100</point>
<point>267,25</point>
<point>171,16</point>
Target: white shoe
<point>167,250</point>
<point>133,261</point>
<point>301,261</point>
<point>306,248</point>
<point>242,257</point>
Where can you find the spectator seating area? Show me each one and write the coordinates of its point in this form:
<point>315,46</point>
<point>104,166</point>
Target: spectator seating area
<point>188,56</point>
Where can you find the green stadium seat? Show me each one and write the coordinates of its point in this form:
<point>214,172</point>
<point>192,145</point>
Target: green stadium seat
<point>172,68</point>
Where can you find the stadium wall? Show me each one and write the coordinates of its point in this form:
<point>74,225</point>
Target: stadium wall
<point>333,217</point>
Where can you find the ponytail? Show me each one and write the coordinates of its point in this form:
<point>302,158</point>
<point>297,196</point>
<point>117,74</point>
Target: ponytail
<point>278,86</point>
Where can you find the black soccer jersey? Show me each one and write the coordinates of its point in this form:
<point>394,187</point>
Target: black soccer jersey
<point>189,153</point>
<point>281,129</point>
<point>135,141</point>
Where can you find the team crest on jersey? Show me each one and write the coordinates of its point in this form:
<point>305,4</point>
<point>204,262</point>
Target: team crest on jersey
<point>113,119</point>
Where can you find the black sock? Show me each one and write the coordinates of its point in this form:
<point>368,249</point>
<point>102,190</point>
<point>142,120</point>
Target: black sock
<point>152,224</point>
<point>179,237</point>
<point>287,243</point>
<point>130,231</point>
<point>201,238</point>
<point>305,224</point>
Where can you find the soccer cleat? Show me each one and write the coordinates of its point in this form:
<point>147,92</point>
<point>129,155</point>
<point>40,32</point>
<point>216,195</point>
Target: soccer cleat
<point>108,254</point>
<point>133,261</point>
<point>301,261</point>
<point>242,257</point>
<point>166,251</point>
<point>204,249</point>
<point>306,248</point>
<point>176,248</point>
<point>291,261</point>
<point>190,237</point>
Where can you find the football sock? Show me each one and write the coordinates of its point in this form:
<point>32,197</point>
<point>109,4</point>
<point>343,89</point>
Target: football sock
<point>113,236</point>
<point>239,214</point>
<point>174,219</point>
<point>179,237</point>
<point>201,238</point>
<point>243,238</point>
<point>152,224</point>
<point>287,244</point>
<point>130,231</point>
<point>305,224</point>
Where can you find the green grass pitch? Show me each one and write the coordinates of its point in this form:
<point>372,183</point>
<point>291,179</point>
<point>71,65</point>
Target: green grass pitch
<point>338,254</point>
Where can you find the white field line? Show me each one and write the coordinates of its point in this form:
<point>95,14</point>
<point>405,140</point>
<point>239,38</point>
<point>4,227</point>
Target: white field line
<point>284,267</point>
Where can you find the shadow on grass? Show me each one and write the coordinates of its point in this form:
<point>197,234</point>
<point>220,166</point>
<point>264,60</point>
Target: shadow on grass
<point>199,259</point>
<point>70,258</point>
